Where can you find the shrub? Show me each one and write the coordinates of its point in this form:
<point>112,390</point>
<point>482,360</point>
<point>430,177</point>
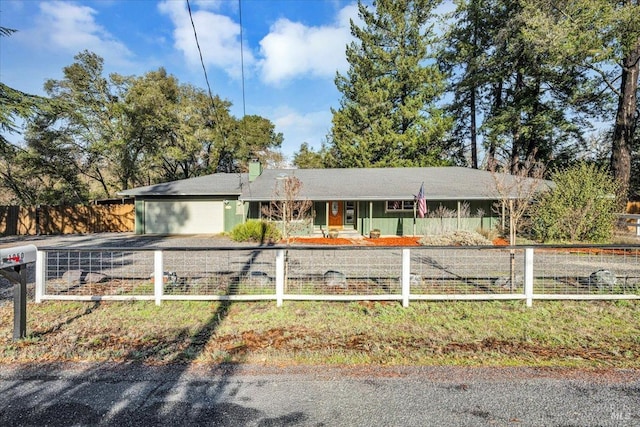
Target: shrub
<point>256,231</point>
<point>581,207</point>
<point>456,238</point>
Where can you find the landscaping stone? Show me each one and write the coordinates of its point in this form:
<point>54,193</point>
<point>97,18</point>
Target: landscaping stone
<point>603,279</point>
<point>259,278</point>
<point>95,278</point>
<point>76,277</point>
<point>73,276</point>
<point>335,278</point>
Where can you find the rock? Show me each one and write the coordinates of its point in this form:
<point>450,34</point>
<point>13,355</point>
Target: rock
<point>335,278</point>
<point>415,279</point>
<point>603,279</point>
<point>505,282</point>
<point>77,277</point>
<point>95,278</point>
<point>73,276</point>
<point>259,278</point>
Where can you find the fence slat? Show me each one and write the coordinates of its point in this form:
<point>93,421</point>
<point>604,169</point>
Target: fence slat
<point>158,276</point>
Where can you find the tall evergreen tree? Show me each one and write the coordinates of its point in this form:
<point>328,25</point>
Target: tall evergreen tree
<point>308,158</point>
<point>388,114</point>
<point>466,49</point>
<point>600,40</point>
<point>505,93</point>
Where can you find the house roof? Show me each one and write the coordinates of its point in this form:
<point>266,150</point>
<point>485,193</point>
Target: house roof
<point>440,183</point>
<point>217,184</point>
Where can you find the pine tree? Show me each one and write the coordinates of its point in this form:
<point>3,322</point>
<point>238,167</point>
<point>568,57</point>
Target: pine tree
<point>388,115</point>
<point>601,41</point>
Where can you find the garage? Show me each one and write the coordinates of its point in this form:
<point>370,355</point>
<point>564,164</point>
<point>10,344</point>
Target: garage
<point>206,204</point>
<point>183,216</point>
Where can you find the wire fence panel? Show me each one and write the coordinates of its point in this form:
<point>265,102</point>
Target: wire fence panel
<point>446,271</point>
<point>587,271</point>
<point>219,272</point>
<point>99,272</point>
<point>344,271</point>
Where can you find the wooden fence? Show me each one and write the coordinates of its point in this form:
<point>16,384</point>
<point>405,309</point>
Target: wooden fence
<point>17,220</point>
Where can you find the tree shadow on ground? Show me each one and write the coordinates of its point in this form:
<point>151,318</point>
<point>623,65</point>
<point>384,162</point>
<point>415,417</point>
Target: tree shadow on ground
<point>150,395</point>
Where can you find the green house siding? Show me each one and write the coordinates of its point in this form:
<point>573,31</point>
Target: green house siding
<point>139,226</point>
<point>235,212</point>
<point>441,217</point>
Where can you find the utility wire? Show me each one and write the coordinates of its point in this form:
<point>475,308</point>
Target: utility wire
<point>206,78</point>
<point>244,102</point>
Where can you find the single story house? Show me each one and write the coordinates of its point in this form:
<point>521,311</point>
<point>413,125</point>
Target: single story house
<point>351,200</point>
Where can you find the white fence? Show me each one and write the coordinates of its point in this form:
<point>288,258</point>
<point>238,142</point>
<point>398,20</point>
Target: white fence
<point>340,273</point>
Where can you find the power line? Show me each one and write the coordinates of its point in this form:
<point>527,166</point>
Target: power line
<point>206,78</point>
<point>244,103</point>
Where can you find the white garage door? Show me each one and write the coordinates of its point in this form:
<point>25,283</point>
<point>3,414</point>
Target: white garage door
<point>183,217</point>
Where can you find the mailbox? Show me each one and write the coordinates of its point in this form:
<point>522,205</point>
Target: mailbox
<point>18,255</point>
<point>15,257</point>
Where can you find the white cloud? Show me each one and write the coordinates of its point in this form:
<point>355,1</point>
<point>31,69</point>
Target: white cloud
<point>218,36</point>
<point>292,49</point>
<point>73,28</point>
<point>310,127</point>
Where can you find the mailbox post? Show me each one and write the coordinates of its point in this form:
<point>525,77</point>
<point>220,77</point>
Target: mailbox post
<point>12,261</point>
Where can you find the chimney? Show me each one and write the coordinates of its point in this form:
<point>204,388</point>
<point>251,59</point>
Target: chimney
<point>255,169</point>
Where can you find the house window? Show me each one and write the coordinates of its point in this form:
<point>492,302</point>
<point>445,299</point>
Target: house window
<point>349,212</point>
<point>399,205</point>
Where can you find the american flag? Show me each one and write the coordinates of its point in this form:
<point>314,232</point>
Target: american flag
<point>422,203</point>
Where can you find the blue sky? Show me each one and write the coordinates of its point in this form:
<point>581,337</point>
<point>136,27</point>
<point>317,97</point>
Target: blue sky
<point>292,50</point>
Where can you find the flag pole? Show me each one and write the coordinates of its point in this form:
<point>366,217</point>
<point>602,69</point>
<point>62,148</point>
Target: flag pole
<point>414,217</point>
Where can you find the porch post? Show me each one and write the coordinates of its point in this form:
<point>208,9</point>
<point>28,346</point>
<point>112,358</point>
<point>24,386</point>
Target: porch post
<point>370,216</point>
<point>326,217</point>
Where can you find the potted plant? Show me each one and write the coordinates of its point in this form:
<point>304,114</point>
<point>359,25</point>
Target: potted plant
<point>374,234</point>
<point>333,234</point>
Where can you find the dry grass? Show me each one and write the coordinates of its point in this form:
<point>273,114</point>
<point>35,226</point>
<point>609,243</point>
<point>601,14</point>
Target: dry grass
<point>574,334</point>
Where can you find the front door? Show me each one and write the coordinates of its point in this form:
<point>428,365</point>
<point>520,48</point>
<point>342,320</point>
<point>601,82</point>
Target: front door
<point>336,210</point>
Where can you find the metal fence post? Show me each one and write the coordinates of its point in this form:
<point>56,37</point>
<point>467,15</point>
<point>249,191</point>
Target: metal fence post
<point>279,277</point>
<point>406,276</point>
<point>528,276</point>
<point>41,269</point>
<point>158,276</point>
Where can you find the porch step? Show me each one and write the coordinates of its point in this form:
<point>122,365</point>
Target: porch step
<point>347,234</point>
